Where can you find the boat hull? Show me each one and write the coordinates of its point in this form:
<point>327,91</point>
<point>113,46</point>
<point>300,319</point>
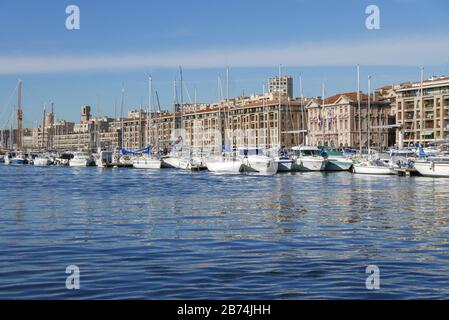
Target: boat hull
<point>147,164</point>
<point>181,163</point>
<point>285,165</point>
<point>338,165</point>
<point>224,166</point>
<point>302,164</point>
<point>41,162</point>
<point>372,170</point>
<point>435,169</point>
<point>80,163</point>
<point>18,162</point>
<point>262,166</point>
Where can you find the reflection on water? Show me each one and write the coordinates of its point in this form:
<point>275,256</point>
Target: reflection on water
<point>168,234</point>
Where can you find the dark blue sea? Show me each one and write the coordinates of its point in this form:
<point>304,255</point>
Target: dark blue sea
<point>167,234</point>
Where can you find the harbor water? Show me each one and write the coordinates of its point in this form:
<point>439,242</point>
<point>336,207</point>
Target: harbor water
<point>167,234</point>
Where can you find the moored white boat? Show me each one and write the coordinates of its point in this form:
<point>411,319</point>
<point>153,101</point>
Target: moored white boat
<point>372,167</point>
<point>104,159</point>
<point>433,167</point>
<point>224,165</point>
<point>146,162</point>
<point>181,162</point>
<point>41,161</point>
<point>19,159</point>
<point>285,164</point>
<point>308,159</point>
<point>254,160</point>
<point>81,159</point>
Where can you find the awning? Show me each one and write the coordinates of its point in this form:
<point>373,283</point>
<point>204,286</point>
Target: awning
<point>427,133</point>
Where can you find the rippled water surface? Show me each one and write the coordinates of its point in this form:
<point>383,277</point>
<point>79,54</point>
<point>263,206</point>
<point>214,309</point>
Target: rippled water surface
<point>169,234</point>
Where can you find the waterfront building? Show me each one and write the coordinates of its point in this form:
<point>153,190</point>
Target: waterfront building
<point>423,111</point>
<point>283,84</point>
<point>335,122</point>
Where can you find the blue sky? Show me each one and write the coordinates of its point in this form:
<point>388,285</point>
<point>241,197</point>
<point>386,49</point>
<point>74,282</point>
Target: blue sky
<point>124,41</point>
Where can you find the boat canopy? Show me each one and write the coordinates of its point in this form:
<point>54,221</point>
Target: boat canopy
<point>140,151</point>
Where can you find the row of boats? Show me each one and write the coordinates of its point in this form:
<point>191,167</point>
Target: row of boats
<point>430,162</point>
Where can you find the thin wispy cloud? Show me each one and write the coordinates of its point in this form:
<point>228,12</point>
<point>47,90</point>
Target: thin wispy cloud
<point>393,51</point>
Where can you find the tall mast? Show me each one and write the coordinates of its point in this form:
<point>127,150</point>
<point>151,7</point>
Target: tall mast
<point>157,122</point>
<point>181,97</point>
<point>121,115</point>
<point>150,92</point>
<point>323,122</point>
<point>358,107</point>
<point>266,119</point>
<point>174,107</point>
<point>422,103</point>
<point>227,83</point>
<point>19,116</point>
<point>302,109</point>
<point>43,130</point>
<point>369,116</point>
<point>52,122</point>
<point>279,109</point>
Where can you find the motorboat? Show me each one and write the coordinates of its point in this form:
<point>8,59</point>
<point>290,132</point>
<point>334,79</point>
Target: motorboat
<point>337,161</point>
<point>19,159</point>
<point>307,158</point>
<point>147,162</point>
<point>182,158</point>
<point>225,164</point>
<point>104,158</point>
<point>254,160</point>
<point>81,159</point>
<point>182,162</point>
<point>433,166</point>
<point>285,163</point>
<point>372,167</point>
<point>42,161</point>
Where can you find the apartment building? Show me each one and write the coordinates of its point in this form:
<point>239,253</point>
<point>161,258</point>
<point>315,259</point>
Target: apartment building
<point>423,111</point>
<point>282,85</point>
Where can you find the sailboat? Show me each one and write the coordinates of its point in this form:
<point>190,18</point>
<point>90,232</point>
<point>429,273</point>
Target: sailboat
<point>181,156</point>
<point>148,160</point>
<point>432,166</point>
<point>372,165</point>
<point>226,162</point>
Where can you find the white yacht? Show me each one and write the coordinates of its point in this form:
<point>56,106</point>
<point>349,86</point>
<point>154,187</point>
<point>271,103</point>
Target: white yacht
<point>147,162</point>
<point>182,158</point>
<point>433,167</point>
<point>308,159</point>
<point>42,161</point>
<point>284,161</point>
<point>337,161</point>
<point>104,159</point>
<point>81,159</point>
<point>254,160</point>
<point>19,159</point>
<point>373,167</point>
<point>181,162</point>
<point>225,164</point>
